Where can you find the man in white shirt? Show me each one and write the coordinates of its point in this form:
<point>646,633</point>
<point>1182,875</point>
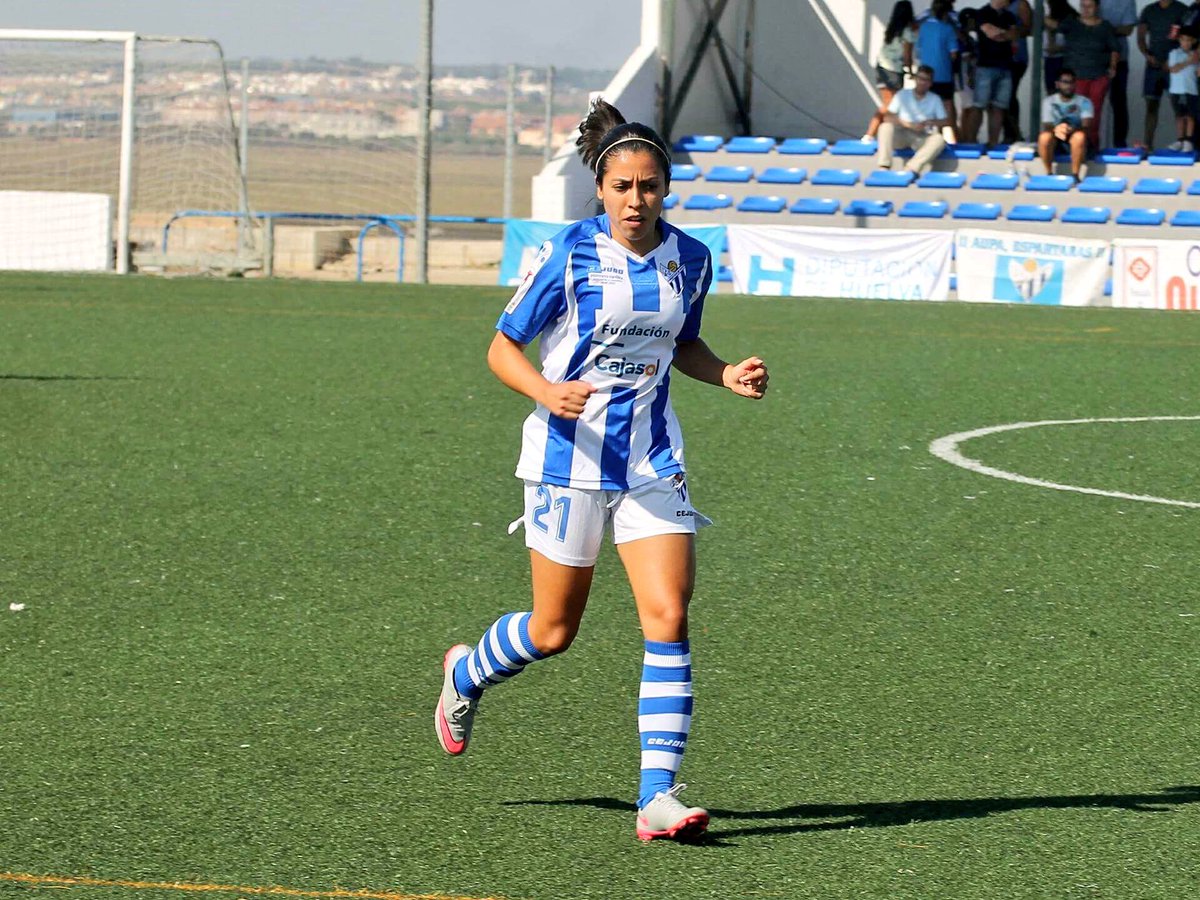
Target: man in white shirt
<point>1066,117</point>
<point>914,119</point>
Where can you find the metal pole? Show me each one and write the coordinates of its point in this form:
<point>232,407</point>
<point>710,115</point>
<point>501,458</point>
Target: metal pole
<point>548,149</point>
<point>425,103</point>
<point>1035,71</point>
<point>244,161</point>
<point>128,130</point>
<point>510,140</point>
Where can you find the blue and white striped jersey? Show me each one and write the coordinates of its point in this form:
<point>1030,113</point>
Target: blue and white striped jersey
<point>611,318</point>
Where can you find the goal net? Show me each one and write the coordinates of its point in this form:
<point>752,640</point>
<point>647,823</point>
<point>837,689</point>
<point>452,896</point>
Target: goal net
<point>104,138</point>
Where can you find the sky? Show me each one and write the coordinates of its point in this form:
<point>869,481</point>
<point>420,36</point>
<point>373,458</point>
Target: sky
<point>526,32</point>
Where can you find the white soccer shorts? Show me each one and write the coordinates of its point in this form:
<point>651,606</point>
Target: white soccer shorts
<point>566,525</point>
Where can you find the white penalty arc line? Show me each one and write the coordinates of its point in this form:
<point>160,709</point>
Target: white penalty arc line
<point>946,448</point>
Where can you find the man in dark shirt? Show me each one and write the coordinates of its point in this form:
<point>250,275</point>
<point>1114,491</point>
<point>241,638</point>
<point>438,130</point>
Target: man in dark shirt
<point>998,28</point>
<point>1157,27</point>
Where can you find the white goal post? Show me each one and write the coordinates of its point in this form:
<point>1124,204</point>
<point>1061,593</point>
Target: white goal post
<point>146,120</point>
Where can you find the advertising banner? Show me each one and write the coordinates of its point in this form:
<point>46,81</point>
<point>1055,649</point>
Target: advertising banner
<point>878,263</point>
<point>1013,267</point>
<point>1156,274</point>
<point>524,237</point>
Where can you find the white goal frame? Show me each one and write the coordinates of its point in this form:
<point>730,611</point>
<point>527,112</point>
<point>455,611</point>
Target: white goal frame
<point>128,115</point>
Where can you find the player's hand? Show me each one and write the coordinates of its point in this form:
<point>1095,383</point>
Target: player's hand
<point>748,378</point>
<point>567,399</point>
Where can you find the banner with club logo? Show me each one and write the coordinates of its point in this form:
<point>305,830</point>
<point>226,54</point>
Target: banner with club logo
<point>1156,274</point>
<point>1013,267</point>
<point>877,263</point>
<point>524,237</point>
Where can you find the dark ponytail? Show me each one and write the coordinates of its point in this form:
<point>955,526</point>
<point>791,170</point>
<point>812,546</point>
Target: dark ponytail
<point>605,127</point>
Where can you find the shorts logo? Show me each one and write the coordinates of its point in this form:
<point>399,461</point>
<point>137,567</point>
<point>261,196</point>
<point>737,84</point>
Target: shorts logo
<point>679,483</point>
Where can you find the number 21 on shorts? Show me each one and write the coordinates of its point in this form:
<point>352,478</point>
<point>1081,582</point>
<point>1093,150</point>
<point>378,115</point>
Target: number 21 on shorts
<point>561,508</point>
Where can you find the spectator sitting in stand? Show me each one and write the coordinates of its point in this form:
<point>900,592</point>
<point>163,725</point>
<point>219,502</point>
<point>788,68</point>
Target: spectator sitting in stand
<point>1066,119</point>
<point>915,118</point>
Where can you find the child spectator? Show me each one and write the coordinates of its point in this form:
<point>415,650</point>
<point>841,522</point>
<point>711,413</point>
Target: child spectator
<point>1182,66</point>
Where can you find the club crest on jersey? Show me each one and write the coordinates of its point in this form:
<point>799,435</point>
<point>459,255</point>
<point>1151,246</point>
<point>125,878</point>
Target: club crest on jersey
<point>674,273</point>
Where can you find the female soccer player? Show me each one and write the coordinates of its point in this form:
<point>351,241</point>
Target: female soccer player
<point>616,301</point>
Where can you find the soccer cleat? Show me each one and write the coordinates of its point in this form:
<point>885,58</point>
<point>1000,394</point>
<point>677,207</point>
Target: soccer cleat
<point>666,817</point>
<point>454,714</point>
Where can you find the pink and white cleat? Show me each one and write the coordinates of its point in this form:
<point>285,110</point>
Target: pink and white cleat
<point>454,714</point>
<point>666,817</point>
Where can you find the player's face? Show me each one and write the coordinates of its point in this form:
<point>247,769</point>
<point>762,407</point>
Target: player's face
<point>632,192</point>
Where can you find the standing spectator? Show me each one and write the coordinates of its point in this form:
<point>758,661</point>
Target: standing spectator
<point>1066,119</point>
<point>1157,27</point>
<point>1181,63</point>
<point>937,47</point>
<point>969,114</point>
<point>914,119</point>
<point>895,58</point>
<point>1122,15</point>
<point>998,28</point>
<point>1052,60</point>
<point>1020,65</point>
<point>1092,52</point>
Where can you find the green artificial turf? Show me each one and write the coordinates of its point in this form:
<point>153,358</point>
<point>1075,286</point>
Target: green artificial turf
<point>245,520</point>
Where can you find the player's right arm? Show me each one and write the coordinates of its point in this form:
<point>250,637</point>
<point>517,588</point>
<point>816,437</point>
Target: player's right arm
<point>507,360</point>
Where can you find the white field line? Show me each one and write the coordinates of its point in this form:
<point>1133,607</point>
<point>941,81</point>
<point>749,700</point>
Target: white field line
<point>946,448</point>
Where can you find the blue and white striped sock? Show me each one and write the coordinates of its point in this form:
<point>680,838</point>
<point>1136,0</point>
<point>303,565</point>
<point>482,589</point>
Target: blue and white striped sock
<point>664,714</point>
<point>503,651</point>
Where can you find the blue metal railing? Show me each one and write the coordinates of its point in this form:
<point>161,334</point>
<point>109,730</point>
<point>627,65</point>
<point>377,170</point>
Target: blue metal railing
<point>373,220</point>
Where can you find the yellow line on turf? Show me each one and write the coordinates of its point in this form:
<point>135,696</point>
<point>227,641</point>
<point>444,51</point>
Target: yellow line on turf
<point>69,881</point>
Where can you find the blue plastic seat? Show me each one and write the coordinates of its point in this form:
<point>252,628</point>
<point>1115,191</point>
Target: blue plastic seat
<point>1087,215</point>
<point>771,204</point>
<point>1141,217</point>
<point>1169,186</point>
<point>996,181</point>
<point>1031,212</point>
<point>869,208</point>
<point>738,174</point>
<point>985,211</point>
<point>853,147</point>
<point>1122,156</point>
<point>1171,158</point>
<point>946,180</point>
<point>782,175</point>
<point>1103,184</point>
<point>886,179</point>
<point>708,201</point>
<point>803,146</point>
<point>725,274</point>
<point>670,201</point>
<point>963,151</point>
<point>1186,218</point>
<point>699,143</point>
<point>746,144</point>
<point>816,206</point>
<point>684,172</point>
<point>923,209</point>
<point>1194,188</point>
<point>842,177</point>
<point>1000,151</point>
<point>1049,183</point>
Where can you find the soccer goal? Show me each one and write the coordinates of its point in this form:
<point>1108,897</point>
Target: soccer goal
<point>104,136</point>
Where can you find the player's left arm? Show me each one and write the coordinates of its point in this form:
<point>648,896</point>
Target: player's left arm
<point>747,378</point>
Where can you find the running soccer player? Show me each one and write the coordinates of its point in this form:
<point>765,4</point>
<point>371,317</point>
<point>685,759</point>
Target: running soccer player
<point>616,301</point>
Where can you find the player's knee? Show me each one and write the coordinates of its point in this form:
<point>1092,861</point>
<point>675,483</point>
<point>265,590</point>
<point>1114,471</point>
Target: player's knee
<point>667,617</point>
<point>552,638</point>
